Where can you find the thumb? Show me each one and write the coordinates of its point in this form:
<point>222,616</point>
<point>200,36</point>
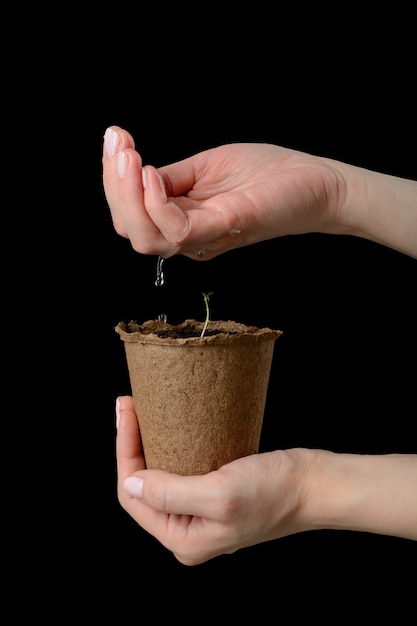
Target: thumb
<point>174,494</point>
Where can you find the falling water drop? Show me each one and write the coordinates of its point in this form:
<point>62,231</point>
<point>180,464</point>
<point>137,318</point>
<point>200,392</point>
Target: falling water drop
<point>160,279</point>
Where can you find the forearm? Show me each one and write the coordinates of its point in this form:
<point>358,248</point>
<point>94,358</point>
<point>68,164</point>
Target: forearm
<point>370,493</point>
<point>381,208</point>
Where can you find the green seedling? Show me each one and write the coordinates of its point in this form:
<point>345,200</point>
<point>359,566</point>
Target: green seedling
<point>206,297</point>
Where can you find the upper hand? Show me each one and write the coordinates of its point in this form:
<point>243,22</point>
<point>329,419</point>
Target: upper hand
<point>219,199</point>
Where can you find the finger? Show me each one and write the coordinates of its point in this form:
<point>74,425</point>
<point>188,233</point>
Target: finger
<point>130,218</point>
<point>197,225</point>
<point>115,139</point>
<point>130,460</point>
<point>122,180</point>
<point>129,452</point>
<point>187,225</point>
<point>181,495</point>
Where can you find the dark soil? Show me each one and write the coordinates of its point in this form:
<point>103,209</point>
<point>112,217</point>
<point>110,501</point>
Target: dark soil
<point>181,331</point>
<point>186,331</point>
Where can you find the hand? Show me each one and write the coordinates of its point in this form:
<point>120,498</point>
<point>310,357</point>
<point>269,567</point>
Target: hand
<point>248,501</point>
<point>263,496</point>
<point>217,200</point>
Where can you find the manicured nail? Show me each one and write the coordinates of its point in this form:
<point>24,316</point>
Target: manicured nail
<point>134,486</point>
<point>117,413</point>
<point>122,164</point>
<point>111,140</point>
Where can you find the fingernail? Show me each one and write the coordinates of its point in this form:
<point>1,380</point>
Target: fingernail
<point>134,486</point>
<point>143,178</point>
<point>111,140</point>
<point>122,164</point>
<point>117,413</point>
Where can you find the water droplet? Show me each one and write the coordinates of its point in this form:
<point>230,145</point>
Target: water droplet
<point>160,279</point>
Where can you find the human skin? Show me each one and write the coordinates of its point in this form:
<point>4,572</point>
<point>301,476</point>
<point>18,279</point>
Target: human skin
<point>238,194</point>
<point>263,497</point>
<point>212,202</point>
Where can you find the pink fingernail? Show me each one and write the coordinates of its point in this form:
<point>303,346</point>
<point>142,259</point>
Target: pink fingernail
<point>117,413</point>
<point>122,164</point>
<point>111,140</point>
<point>134,486</point>
<point>143,178</point>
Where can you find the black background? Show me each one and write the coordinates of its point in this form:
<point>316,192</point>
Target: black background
<point>344,373</point>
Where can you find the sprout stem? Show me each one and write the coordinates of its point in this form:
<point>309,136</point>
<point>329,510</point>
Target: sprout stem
<point>206,297</point>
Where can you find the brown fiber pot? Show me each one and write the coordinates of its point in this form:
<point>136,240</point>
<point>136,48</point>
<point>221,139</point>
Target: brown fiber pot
<point>199,400</point>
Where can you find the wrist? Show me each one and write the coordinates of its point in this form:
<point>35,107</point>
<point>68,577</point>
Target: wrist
<point>379,207</point>
<point>369,493</point>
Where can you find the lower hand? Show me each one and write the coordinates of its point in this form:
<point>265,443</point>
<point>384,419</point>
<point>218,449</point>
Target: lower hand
<point>200,517</point>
